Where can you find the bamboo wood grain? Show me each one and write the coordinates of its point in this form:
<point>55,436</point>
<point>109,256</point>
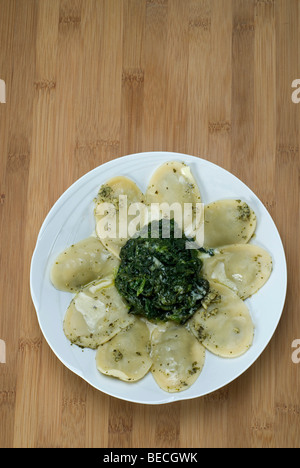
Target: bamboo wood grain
<point>88,81</point>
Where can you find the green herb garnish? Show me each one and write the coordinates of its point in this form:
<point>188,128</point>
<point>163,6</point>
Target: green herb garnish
<point>159,276</point>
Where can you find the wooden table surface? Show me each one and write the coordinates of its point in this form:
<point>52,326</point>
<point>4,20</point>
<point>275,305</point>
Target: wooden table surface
<point>88,81</point>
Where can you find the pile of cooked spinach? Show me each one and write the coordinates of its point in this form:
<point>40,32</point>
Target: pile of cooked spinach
<point>159,276</point>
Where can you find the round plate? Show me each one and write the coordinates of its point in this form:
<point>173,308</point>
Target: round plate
<point>71,219</point>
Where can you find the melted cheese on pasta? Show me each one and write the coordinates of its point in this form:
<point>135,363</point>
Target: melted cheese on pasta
<point>225,326</point>
<point>82,263</point>
<point>243,268</point>
<point>96,314</point>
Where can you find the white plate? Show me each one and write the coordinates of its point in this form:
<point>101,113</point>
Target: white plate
<point>71,219</point>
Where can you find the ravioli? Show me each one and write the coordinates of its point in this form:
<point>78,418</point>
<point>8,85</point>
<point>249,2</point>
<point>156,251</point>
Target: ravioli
<point>96,314</point>
<point>126,355</point>
<point>82,263</point>
<point>224,325</point>
<point>228,222</point>
<point>119,212</point>
<point>98,317</point>
<point>178,357</point>
<point>174,188</point>
<point>243,268</point>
